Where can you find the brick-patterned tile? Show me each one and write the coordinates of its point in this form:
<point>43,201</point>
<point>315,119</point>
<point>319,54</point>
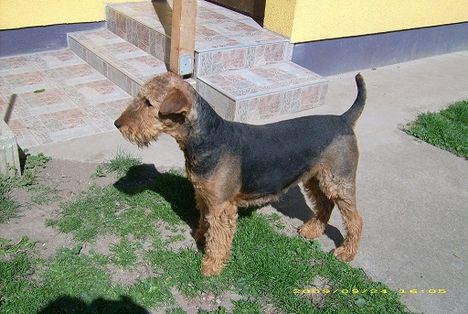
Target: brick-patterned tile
<point>222,60</point>
<point>26,82</point>
<point>76,74</point>
<point>265,79</point>
<point>59,97</point>
<point>50,100</point>
<point>95,92</point>
<point>23,134</point>
<point>17,64</point>
<point>58,58</point>
<point>217,27</point>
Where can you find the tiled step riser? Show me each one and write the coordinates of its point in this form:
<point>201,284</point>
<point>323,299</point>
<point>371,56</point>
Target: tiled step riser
<point>101,65</point>
<point>158,44</point>
<point>138,34</point>
<point>216,61</point>
<point>262,107</point>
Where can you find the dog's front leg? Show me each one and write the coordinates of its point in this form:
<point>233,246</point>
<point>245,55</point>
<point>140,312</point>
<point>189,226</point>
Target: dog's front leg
<point>202,224</point>
<point>221,221</point>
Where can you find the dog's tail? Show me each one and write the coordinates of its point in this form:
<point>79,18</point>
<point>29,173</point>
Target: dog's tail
<point>353,113</point>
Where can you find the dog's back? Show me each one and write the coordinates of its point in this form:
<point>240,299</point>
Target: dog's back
<point>274,156</point>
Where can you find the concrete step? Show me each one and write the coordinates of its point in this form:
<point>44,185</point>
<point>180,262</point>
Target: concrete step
<point>9,157</point>
<point>121,62</point>
<point>253,94</point>
<point>225,40</point>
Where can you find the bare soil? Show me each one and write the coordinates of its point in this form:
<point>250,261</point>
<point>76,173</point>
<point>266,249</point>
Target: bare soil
<point>67,179</point>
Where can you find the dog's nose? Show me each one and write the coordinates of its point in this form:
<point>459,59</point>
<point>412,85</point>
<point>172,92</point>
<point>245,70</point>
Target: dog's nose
<point>117,124</point>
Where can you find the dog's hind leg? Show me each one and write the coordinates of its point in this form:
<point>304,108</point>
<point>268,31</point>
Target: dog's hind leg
<point>338,184</point>
<point>222,221</point>
<point>353,224</point>
<point>315,227</point>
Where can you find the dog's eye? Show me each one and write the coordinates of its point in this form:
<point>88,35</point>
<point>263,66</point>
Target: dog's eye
<point>147,103</point>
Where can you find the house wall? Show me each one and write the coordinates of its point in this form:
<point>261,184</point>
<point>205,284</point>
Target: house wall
<point>28,13</point>
<point>333,56</point>
<point>307,20</point>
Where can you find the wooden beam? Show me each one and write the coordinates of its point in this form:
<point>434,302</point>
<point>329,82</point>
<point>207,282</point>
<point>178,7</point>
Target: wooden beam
<point>184,15</point>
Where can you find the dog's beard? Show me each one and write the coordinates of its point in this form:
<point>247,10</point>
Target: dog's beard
<point>138,138</point>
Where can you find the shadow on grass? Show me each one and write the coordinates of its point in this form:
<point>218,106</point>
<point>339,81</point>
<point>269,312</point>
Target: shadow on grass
<point>178,191</point>
<point>68,304</point>
<point>174,188</point>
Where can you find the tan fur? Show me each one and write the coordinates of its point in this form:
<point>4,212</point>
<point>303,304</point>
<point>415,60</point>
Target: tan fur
<point>141,122</point>
<point>326,188</point>
<point>214,195</point>
<point>218,194</point>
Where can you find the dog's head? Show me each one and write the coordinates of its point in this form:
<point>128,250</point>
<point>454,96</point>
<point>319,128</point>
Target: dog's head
<point>162,105</point>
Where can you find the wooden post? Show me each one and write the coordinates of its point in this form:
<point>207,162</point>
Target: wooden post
<point>184,15</point>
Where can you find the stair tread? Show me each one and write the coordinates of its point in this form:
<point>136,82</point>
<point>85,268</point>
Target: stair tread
<point>127,58</point>
<point>217,27</point>
<point>262,80</point>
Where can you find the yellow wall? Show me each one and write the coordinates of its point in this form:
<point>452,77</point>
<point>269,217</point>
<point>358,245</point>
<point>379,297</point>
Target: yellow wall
<point>323,19</point>
<point>25,13</point>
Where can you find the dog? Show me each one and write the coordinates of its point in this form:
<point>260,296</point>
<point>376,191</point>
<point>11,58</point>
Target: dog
<point>232,164</point>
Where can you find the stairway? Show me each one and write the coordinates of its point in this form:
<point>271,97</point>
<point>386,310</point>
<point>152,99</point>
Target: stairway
<point>244,71</point>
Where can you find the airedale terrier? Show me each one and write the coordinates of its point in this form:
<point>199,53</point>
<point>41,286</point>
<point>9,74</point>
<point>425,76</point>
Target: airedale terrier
<point>232,164</point>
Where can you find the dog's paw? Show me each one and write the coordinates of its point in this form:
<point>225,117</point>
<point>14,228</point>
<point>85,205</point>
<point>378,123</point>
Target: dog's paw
<point>311,230</point>
<point>211,267</point>
<point>344,254</point>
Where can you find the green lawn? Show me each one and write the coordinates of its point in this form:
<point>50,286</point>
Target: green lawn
<point>267,269</point>
<point>447,129</point>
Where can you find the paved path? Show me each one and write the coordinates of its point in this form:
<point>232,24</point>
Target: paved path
<point>413,197</point>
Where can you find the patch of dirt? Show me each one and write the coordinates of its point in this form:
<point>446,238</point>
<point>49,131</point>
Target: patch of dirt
<point>178,236</point>
<point>32,224</point>
<point>70,178</point>
<point>267,307</point>
<point>101,245</point>
<point>129,275</point>
<point>314,291</point>
<point>287,225</point>
<point>66,179</point>
<point>206,301</point>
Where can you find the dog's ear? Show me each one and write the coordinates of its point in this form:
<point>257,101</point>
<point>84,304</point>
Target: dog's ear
<point>175,102</point>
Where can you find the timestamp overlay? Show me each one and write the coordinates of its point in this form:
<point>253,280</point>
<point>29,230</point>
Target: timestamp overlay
<point>355,291</point>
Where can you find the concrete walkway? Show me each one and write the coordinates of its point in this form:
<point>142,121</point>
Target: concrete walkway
<point>413,197</point>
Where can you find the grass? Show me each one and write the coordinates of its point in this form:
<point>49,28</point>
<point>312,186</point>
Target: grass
<point>447,129</point>
<point>265,267</point>
<point>124,253</point>
<point>8,207</point>
<point>120,164</point>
